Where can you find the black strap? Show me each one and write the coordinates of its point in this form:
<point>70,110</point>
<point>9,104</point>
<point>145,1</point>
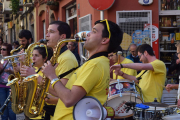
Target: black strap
<point>139,78</point>
<point>92,57</point>
<point>63,49</point>
<point>4,68</point>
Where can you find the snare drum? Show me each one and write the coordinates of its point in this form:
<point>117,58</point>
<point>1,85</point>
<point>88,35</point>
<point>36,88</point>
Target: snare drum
<point>149,114</point>
<point>122,92</point>
<point>172,117</point>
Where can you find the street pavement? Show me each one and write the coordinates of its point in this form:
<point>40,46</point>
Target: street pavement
<point>19,116</point>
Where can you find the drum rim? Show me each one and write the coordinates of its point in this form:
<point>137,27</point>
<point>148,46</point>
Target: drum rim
<point>125,94</point>
<point>120,80</point>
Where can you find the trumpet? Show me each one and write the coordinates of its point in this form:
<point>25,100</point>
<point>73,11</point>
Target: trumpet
<point>2,59</point>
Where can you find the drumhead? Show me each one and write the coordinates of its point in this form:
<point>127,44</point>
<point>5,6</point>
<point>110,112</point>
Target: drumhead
<point>118,104</point>
<point>120,80</point>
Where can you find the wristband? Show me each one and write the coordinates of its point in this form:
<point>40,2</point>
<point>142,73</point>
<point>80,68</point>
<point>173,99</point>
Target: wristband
<point>54,81</point>
<point>121,65</point>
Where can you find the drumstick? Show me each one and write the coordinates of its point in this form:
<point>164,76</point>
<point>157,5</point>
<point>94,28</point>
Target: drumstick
<point>119,53</point>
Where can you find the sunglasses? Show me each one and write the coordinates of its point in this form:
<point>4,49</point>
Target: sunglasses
<point>3,49</point>
<point>108,28</point>
<point>44,47</point>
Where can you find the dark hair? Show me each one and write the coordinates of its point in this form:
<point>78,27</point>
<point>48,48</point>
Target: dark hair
<point>117,49</point>
<point>145,47</point>
<point>2,39</point>
<point>116,34</point>
<point>16,42</point>
<point>42,51</point>
<point>27,34</point>
<point>8,46</point>
<point>63,28</point>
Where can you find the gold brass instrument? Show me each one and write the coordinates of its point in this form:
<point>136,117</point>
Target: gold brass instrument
<point>18,88</point>
<point>16,74</point>
<point>36,94</point>
<point>10,77</point>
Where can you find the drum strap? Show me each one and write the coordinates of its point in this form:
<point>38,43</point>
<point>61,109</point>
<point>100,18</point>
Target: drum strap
<point>139,78</point>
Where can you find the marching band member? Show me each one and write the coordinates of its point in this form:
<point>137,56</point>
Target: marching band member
<point>114,57</point>
<point>92,78</point>
<point>56,32</point>
<point>40,55</point>
<point>153,73</point>
<point>25,39</point>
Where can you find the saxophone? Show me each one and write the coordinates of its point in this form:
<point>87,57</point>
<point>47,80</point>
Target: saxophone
<point>37,93</point>
<point>10,77</point>
<point>18,88</point>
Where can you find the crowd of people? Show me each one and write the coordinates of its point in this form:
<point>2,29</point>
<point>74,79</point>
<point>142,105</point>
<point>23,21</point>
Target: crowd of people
<point>92,78</point>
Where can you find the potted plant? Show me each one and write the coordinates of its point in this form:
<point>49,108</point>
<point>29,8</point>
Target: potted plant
<point>53,5</point>
<point>14,5</point>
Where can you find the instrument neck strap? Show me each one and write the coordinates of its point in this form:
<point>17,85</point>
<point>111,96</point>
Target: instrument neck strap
<point>63,49</point>
<point>92,57</point>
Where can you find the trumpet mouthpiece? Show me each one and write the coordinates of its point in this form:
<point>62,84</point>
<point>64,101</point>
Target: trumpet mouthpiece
<point>80,39</point>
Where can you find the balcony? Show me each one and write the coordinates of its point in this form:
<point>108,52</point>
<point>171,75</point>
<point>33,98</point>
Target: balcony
<point>28,3</point>
<point>6,9</point>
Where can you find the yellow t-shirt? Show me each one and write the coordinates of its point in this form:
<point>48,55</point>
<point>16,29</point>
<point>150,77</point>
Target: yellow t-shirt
<point>94,77</point>
<point>152,82</point>
<point>125,70</point>
<point>66,61</point>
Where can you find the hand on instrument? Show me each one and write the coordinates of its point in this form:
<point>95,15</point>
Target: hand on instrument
<point>22,57</point>
<point>117,69</point>
<point>49,70</point>
<point>10,70</point>
<point>169,87</point>
<point>16,69</point>
<point>26,71</point>
<point>51,99</point>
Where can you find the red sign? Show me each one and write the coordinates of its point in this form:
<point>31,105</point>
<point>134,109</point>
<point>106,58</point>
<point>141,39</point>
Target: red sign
<point>101,4</point>
<point>155,36</point>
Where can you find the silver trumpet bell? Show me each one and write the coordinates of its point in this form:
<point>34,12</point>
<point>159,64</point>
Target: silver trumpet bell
<point>2,59</point>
